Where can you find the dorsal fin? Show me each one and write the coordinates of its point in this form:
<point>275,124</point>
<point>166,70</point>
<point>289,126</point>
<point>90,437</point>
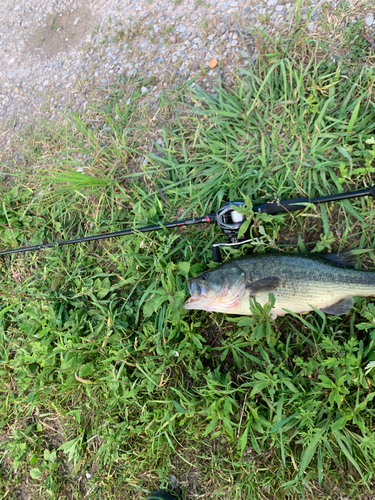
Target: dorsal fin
<point>343,259</point>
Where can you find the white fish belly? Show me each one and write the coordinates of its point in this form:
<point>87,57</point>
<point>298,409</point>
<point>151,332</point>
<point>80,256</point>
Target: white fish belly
<point>298,302</point>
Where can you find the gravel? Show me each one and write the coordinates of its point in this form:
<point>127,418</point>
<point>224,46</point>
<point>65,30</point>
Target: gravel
<point>54,53</point>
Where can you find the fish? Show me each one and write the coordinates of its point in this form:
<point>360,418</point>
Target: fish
<point>298,282</point>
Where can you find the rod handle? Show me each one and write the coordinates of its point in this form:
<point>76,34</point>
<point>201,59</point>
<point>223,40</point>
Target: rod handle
<point>282,206</point>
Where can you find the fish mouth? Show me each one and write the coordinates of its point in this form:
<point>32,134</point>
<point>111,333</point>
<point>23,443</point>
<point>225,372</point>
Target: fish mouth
<point>197,290</point>
<point>198,293</point>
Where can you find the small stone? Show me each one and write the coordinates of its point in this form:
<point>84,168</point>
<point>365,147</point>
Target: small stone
<point>271,2</point>
<point>76,20</point>
<point>234,36</point>
<point>234,43</point>
<point>88,475</point>
<point>144,90</point>
<point>173,482</point>
<point>173,39</point>
<point>311,27</point>
<point>234,4</point>
<point>127,101</point>
<point>246,10</point>
<point>279,7</point>
<point>369,19</point>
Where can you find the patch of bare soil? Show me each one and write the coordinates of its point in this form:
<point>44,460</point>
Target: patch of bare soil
<point>62,31</point>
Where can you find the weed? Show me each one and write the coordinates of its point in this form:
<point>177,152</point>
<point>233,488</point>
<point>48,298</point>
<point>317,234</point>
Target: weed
<point>104,40</point>
<point>119,35</point>
<point>356,45</point>
<point>53,24</point>
<point>204,24</point>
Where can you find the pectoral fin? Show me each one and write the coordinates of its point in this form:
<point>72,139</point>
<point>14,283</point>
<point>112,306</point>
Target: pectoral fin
<point>341,307</point>
<point>265,285</point>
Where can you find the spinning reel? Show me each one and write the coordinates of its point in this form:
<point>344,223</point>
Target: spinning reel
<point>230,222</point>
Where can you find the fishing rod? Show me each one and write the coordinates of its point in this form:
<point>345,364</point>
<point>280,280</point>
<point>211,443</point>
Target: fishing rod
<point>227,218</point>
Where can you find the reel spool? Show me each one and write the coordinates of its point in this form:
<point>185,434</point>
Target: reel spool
<point>230,222</point>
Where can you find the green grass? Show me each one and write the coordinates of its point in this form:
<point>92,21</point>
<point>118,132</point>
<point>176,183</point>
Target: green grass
<point>108,386</point>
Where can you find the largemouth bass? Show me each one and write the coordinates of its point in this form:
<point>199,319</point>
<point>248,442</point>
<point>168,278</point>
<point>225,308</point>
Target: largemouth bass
<point>298,282</point>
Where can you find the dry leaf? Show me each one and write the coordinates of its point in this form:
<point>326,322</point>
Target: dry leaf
<point>82,379</point>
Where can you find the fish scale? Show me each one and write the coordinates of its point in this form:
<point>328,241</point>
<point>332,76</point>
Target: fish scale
<point>298,282</point>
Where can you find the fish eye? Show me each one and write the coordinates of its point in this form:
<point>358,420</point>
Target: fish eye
<point>204,276</point>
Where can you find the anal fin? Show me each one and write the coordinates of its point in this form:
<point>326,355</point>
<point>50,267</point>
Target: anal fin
<point>340,307</point>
